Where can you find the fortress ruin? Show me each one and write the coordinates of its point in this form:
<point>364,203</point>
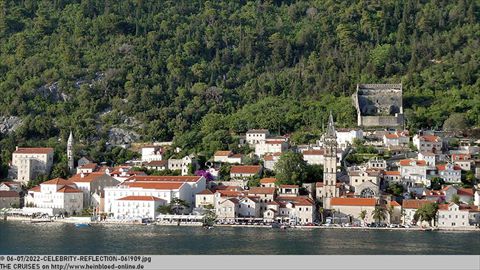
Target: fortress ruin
<point>379,105</point>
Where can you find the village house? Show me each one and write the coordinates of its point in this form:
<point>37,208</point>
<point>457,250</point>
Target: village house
<point>428,143</point>
<point>396,212</point>
<point>410,207</point>
<point>182,164</point>
<point>429,157</point>
<point>457,215</point>
<point>414,172</point>
<point>346,137</point>
<point>92,185</point>
<point>53,197</point>
<point>270,146</point>
<point>270,160</point>
<point>264,196</point>
<point>268,182</point>
<point>314,157</point>
<point>347,210</point>
<point>288,190</point>
<point>11,186</point>
<point>227,209</point>
<point>157,165</point>
<point>136,207</point>
<point>450,173</point>
<point>464,161</point>
<point>152,153</point>
<point>28,163</point>
<point>204,198</point>
<point>256,136</point>
<point>377,163</point>
<point>244,172</point>
<point>390,176</point>
<point>248,207</point>
<point>295,210</point>
<point>122,173</point>
<point>398,138</point>
<point>87,168</point>
<point>227,157</point>
<point>9,198</point>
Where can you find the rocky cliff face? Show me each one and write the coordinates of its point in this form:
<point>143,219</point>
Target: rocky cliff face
<point>9,123</point>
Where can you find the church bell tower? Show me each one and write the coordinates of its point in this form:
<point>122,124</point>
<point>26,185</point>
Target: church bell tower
<point>330,164</point>
<point>70,152</point>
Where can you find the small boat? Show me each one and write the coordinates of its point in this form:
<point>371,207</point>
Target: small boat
<point>82,225</point>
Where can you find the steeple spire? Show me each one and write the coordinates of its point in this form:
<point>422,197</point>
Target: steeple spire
<point>331,127</point>
<point>70,157</point>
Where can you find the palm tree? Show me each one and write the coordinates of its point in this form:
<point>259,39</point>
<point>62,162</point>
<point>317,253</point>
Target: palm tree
<point>320,211</point>
<point>390,213</point>
<point>379,214</point>
<point>362,216</point>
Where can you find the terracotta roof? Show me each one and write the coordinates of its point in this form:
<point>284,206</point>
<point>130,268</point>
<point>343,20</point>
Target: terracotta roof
<point>430,138</point>
<point>427,153</point>
<point>272,203</point>
<point>57,181</point>
<point>253,169</point>
<point>394,203</point>
<point>223,153</point>
<point>230,193</point>
<point>205,192</point>
<point>406,162</point>
<point>353,201</point>
<point>391,136</point>
<point>257,131</point>
<point>297,200</point>
<point>391,173</point>
<point>69,189</point>
<point>157,163</point>
<point>442,167</point>
<point>458,157</point>
<point>269,180</point>
<point>465,191</point>
<point>9,194</point>
<point>10,184</point>
<point>35,189</point>
<point>33,150</point>
<point>261,190</point>
<point>87,177</point>
<point>462,207</point>
<point>154,185</point>
<point>288,186</point>
<point>163,178</point>
<point>414,204</point>
<point>320,152</point>
<point>222,187</point>
<point>319,184</point>
<point>236,156</point>
<point>140,198</point>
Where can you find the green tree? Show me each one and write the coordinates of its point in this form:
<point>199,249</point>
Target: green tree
<point>291,169</point>
<point>455,199</point>
<point>379,214</point>
<point>427,212</point>
<point>362,216</point>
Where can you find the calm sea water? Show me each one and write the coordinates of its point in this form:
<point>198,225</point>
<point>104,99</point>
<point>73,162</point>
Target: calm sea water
<point>54,238</point>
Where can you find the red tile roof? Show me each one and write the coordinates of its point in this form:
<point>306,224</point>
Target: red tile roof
<point>353,201</point>
<point>391,173</point>
<point>298,200</point>
<point>430,138</point>
<point>157,163</point>
<point>9,194</point>
<point>270,180</point>
<point>391,136</point>
<point>230,193</point>
<point>163,178</point>
<point>140,198</point>
<point>57,181</point>
<point>394,203</point>
<point>442,167</point>
<point>89,166</point>
<point>406,162</point>
<point>465,191</point>
<point>414,204</point>
<point>69,189</point>
<point>87,177</point>
<point>33,150</point>
<point>320,152</point>
<point>288,186</point>
<point>253,169</point>
<point>223,153</point>
<point>261,190</point>
<point>154,185</point>
<point>35,189</point>
<point>205,192</point>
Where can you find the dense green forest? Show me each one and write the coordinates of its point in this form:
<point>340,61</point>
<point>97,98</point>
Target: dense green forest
<point>200,71</point>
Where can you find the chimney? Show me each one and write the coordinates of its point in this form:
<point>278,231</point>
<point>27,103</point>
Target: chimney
<point>82,175</point>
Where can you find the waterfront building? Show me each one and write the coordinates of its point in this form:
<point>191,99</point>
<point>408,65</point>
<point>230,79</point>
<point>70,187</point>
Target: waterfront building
<point>204,198</point>
<point>396,212</point>
<point>264,195</point>
<point>454,215</point>
<point>137,207</point>
<point>9,198</point>
<point>92,185</point>
<point>410,207</point>
<point>28,163</point>
<point>55,196</point>
<point>347,210</point>
<point>295,210</point>
<point>227,209</point>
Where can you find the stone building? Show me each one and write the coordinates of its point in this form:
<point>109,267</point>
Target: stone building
<point>379,105</point>
<point>28,163</point>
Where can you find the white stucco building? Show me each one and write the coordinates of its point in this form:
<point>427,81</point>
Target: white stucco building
<point>151,153</point>
<point>136,207</point>
<point>269,146</point>
<point>345,137</point>
<point>428,143</point>
<point>28,163</point>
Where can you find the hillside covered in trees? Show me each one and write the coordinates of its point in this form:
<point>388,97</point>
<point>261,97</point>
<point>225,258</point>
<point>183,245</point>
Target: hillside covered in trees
<point>199,71</point>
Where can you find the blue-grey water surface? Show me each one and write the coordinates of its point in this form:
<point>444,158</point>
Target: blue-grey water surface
<point>56,238</point>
